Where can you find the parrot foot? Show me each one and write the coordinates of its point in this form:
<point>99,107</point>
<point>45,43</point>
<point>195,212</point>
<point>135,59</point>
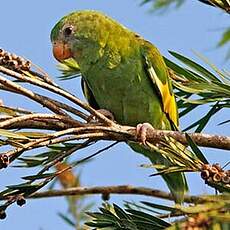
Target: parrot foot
<point>106,113</point>
<point>141,131</point>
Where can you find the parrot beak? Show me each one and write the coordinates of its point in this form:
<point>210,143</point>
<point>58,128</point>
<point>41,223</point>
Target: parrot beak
<point>61,51</point>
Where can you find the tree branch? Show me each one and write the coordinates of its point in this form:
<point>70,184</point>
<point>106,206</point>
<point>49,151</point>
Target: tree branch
<point>224,5</point>
<point>37,116</point>
<point>16,88</point>
<point>201,139</point>
<point>120,189</point>
<point>54,89</point>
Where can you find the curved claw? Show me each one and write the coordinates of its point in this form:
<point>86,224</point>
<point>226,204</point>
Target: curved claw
<point>104,112</point>
<point>141,131</point>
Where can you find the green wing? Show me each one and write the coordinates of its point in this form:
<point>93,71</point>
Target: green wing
<point>89,94</point>
<point>157,71</point>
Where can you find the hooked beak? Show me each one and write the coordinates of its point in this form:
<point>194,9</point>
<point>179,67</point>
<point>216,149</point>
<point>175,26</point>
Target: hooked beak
<point>61,51</point>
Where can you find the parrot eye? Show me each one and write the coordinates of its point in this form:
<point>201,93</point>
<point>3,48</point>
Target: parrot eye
<point>68,31</point>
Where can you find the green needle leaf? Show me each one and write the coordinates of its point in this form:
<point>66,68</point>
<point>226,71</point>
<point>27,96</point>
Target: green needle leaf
<point>195,149</point>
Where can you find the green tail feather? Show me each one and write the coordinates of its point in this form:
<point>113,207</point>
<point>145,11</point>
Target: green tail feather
<point>176,181</point>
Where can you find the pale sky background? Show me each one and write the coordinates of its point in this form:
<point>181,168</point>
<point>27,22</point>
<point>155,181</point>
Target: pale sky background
<point>25,29</point>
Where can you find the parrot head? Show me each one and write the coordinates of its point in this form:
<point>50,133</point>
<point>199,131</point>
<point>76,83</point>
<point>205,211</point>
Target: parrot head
<point>79,33</point>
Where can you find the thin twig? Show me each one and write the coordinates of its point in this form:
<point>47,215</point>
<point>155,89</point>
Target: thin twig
<point>64,155</point>
<point>16,110</point>
<point>57,90</point>
<point>28,93</point>
<point>44,124</point>
<point>68,108</point>
<point>72,150</point>
<point>50,100</point>
<point>27,117</point>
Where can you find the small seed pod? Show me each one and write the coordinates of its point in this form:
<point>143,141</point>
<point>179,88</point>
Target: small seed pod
<point>226,179</point>
<point>13,61</point>
<point>26,65</point>
<point>4,161</point>
<point>2,52</point>
<point>227,172</point>
<point>183,226</point>
<point>19,60</point>
<point>191,221</point>
<point>189,228</point>
<point>105,196</point>
<point>14,56</point>
<point>204,174</point>
<point>206,166</point>
<point>7,57</point>
<point>213,170</point>
<point>218,167</point>
<point>21,201</point>
<point>209,179</point>
<point>2,214</point>
<point>5,158</point>
<point>217,177</point>
<point>3,61</point>
<point>196,222</point>
<point>222,174</point>
<point>13,64</point>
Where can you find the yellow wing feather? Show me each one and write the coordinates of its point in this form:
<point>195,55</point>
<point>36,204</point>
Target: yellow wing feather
<point>168,98</point>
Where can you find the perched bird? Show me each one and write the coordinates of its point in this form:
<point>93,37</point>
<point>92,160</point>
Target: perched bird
<point>122,73</point>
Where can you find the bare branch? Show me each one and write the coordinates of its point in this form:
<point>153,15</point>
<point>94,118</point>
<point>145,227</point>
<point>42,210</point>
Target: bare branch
<point>45,124</point>
<point>201,139</point>
<point>38,116</point>
<point>120,189</point>
<point>28,93</point>
<point>68,108</point>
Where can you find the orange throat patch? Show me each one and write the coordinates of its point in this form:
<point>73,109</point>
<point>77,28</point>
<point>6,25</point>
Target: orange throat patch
<point>61,51</point>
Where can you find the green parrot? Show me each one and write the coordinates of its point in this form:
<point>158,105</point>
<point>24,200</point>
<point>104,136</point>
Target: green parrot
<point>121,73</point>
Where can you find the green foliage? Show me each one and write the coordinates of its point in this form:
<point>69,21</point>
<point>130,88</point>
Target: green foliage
<point>210,214</point>
<point>225,40</point>
<point>163,4</point>
<point>76,215</point>
<point>114,218</point>
<point>199,86</point>
<point>196,150</point>
<point>182,159</point>
<point>222,4</point>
